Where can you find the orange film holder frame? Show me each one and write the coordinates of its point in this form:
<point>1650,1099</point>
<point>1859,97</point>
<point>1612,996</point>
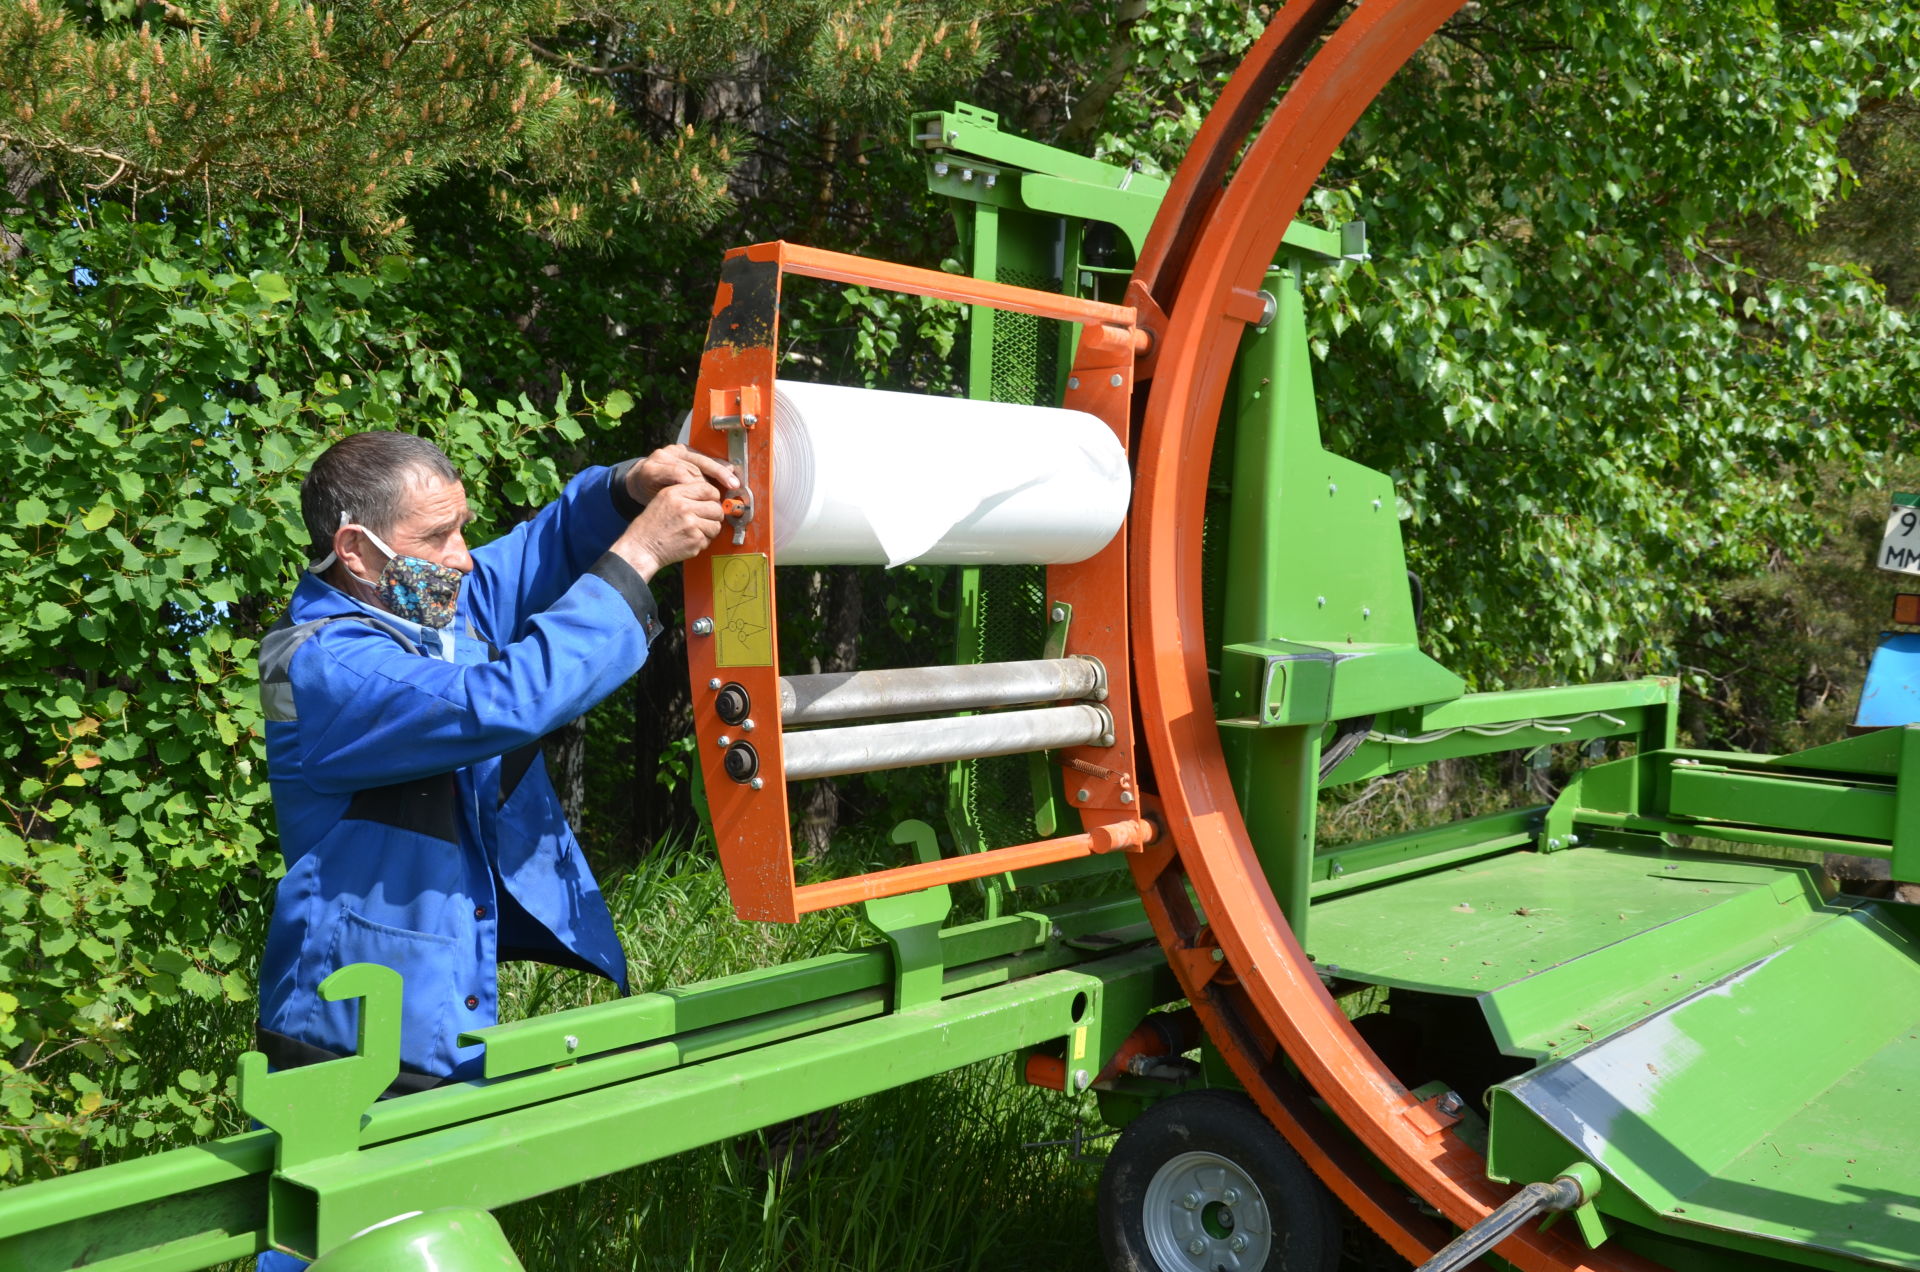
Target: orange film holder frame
<point>731,625</point>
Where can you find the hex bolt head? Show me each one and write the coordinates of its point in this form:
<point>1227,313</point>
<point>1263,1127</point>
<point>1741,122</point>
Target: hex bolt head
<point>1376,505</point>
<point>1236,1243</point>
<point>1117,380</point>
<point>1058,614</point>
<point>573,1042</point>
<point>991,178</point>
<point>1219,955</point>
<point>1126,797</point>
<point>1231,1196</point>
<point>703,627</point>
<point>1191,1201</point>
<point>1451,1103</point>
<point>1073,381</point>
<point>1081,794</point>
<point>1321,601</point>
<point>1332,489</point>
<point>1196,1247</point>
<point>939,169</point>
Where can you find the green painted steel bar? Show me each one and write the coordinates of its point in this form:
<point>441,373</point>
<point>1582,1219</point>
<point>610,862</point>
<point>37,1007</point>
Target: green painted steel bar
<point>571,1140</point>
<point>193,1207</point>
<point>584,1031</point>
<point>1826,807</point>
<point>1531,704</point>
<point>1376,861</point>
<point>187,1208</point>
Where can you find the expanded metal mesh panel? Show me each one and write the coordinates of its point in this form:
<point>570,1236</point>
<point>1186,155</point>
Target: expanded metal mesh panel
<point>1026,349</point>
<point>1012,624</point>
<point>1000,803</point>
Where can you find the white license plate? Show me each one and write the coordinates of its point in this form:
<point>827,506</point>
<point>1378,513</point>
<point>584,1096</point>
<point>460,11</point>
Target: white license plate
<point>1900,547</point>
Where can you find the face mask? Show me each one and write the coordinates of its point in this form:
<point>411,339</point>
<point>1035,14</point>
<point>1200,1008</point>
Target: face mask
<point>414,588</point>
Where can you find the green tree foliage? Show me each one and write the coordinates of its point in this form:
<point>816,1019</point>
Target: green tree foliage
<point>582,117</point>
<point>162,385</point>
<point>1596,405</point>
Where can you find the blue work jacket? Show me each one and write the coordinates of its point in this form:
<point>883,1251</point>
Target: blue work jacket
<point>418,824</point>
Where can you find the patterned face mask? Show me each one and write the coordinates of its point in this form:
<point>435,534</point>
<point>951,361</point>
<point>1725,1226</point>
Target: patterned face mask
<point>414,588</point>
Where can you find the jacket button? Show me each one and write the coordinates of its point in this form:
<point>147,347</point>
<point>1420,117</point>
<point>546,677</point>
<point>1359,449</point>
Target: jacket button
<point>472,1002</point>
<point>479,911</point>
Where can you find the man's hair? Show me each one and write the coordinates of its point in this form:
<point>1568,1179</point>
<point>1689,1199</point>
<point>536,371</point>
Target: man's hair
<point>366,476</point>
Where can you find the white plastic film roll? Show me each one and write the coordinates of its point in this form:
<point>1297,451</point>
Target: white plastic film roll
<point>871,477</point>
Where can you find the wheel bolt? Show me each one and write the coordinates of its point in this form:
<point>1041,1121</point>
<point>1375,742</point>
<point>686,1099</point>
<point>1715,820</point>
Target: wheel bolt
<point>1191,1201</point>
<point>1230,1196</point>
<point>1236,1243</point>
<point>1196,1246</point>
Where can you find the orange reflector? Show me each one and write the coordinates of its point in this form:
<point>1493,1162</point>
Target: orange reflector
<point>1906,607</point>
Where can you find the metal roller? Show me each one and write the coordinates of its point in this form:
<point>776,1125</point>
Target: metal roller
<point>868,748</point>
<point>865,695</point>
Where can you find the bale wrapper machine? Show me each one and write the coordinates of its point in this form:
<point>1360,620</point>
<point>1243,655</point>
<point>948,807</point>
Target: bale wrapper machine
<point>1601,1034</point>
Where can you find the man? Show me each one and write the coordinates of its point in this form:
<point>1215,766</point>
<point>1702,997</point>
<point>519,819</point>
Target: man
<point>406,694</point>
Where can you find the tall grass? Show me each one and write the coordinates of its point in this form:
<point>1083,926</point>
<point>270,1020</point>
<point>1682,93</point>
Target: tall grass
<point>956,1172</point>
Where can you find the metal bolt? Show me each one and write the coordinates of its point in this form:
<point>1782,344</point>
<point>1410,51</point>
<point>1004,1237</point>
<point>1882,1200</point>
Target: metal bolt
<point>991,178</point>
<point>1376,505</point>
<point>714,683</point>
<point>1451,1104</point>
<point>1126,797</point>
<point>966,174</point>
<point>723,741</point>
<point>952,137</point>
<point>1081,794</point>
<point>1116,380</point>
<point>1236,1243</point>
<point>1366,611</point>
<point>1073,381</point>
<point>703,627</point>
<point>1191,1201</point>
<point>1338,868</point>
<point>756,783</point>
<point>1196,1246</point>
<point>1321,601</point>
<point>939,169</point>
<point>1332,489</point>
<point>1572,840</point>
<point>573,1043</point>
<point>1058,614</point>
<point>1219,955</point>
<point>1269,306</point>
<point>1554,842</point>
<point>749,420</point>
<point>1231,1196</point>
<point>746,726</point>
<point>1082,1079</point>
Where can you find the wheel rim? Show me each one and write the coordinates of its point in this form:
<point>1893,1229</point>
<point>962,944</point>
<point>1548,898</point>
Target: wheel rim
<point>1203,1213</point>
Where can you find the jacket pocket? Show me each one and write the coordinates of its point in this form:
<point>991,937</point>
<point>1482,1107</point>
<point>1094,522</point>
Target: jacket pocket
<point>427,963</point>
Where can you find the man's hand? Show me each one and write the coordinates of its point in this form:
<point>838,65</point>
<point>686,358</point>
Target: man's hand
<point>676,465</point>
<point>680,521</point>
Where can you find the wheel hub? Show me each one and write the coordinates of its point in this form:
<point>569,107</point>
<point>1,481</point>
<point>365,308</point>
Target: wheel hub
<point>1202,1213</point>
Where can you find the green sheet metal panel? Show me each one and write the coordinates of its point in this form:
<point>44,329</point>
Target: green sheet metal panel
<point>1473,928</point>
<point>1773,1105</point>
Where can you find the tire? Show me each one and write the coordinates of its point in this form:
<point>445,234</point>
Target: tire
<point>1196,1172</point>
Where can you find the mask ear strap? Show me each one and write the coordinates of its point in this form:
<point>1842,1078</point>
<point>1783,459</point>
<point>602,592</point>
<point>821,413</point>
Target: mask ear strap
<point>346,520</point>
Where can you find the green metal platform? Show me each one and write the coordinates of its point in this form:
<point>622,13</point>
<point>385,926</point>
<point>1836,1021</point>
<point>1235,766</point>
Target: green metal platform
<point>1734,1052</point>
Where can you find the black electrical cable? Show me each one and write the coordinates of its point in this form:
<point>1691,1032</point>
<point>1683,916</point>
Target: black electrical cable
<point>1347,737</point>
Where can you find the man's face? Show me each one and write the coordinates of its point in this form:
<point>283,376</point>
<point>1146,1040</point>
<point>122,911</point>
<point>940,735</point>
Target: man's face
<point>431,526</point>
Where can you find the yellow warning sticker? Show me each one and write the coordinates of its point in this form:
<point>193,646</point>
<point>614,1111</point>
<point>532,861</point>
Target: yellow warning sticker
<point>1080,1043</point>
<point>743,627</point>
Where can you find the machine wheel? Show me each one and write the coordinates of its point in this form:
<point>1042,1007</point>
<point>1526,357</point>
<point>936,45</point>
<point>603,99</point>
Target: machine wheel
<point>1202,1183</point>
